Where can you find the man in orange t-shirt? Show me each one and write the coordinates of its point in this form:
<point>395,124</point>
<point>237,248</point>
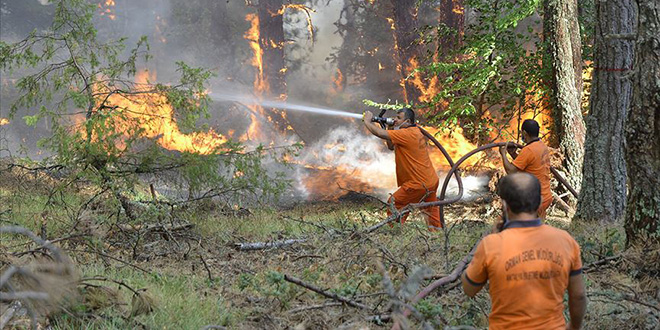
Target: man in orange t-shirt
<point>529,265</point>
<point>534,159</point>
<point>415,174</point>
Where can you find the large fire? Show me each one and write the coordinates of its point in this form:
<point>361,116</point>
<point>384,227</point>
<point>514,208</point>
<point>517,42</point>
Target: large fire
<point>260,85</point>
<point>151,113</point>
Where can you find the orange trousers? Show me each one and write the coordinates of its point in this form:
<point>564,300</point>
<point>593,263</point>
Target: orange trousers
<point>413,192</point>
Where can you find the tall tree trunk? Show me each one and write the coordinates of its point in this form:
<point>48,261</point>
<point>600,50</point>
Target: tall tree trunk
<point>603,193</point>
<point>405,24</point>
<point>563,32</point>
<point>271,32</point>
<point>452,14</point>
<point>221,35</point>
<point>643,130</point>
<point>349,32</point>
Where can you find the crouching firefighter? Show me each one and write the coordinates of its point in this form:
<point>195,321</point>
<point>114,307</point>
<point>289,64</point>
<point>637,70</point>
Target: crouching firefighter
<point>415,174</point>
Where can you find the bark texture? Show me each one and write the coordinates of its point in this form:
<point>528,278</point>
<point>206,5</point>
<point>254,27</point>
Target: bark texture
<point>603,193</point>
<point>643,130</point>
<point>566,49</point>
<point>405,24</point>
<point>452,14</point>
<point>271,39</point>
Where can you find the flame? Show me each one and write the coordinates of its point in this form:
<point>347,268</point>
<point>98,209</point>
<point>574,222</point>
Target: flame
<point>4,121</point>
<point>252,35</point>
<point>587,74</point>
<point>427,90</point>
<point>391,21</point>
<point>260,84</point>
<point>107,11</point>
<point>151,113</point>
<point>457,8</point>
<point>159,33</point>
<point>456,146</point>
<point>380,67</point>
<point>338,81</point>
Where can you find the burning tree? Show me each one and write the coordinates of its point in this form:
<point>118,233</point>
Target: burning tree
<point>499,66</point>
<point>109,128</point>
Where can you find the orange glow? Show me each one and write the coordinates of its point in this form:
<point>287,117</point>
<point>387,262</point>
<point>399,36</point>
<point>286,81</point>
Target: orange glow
<point>4,121</point>
<point>587,75</point>
<point>107,11</point>
<point>338,81</point>
<point>151,114</point>
<point>391,21</point>
<point>458,8</point>
<point>260,85</point>
<point>429,88</point>
<point>455,144</point>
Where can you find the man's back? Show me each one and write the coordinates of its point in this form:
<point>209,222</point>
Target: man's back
<point>411,155</point>
<point>534,159</point>
<point>528,266</point>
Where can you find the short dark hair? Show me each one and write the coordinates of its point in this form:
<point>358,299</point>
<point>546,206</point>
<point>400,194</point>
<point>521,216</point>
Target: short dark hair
<point>521,192</point>
<point>408,114</point>
<point>531,127</point>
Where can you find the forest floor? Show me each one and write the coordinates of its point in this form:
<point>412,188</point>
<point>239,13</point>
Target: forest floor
<point>178,267</point>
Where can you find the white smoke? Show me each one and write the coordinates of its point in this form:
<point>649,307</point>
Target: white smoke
<point>365,157</point>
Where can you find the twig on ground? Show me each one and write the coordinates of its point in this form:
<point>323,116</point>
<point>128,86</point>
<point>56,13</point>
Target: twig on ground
<point>105,279</point>
<point>9,314</point>
<point>325,293</point>
<point>110,257</point>
<point>593,265</point>
<point>455,274</point>
<point>206,266</point>
<point>311,307</point>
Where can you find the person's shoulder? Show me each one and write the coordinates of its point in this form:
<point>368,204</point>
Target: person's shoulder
<point>493,239</point>
<point>412,130</point>
<point>560,233</point>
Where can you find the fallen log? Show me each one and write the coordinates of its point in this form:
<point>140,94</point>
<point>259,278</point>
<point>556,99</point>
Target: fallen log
<point>267,245</point>
<point>167,227</point>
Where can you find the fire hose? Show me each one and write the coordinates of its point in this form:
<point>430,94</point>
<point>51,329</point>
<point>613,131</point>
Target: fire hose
<point>441,202</point>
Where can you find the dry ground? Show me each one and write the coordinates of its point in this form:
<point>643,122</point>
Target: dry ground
<point>177,267</point>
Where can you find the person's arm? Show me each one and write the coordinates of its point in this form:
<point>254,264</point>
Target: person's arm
<point>390,144</point>
<point>469,287</point>
<point>475,275</point>
<point>508,167</point>
<point>374,129</point>
<point>577,301</point>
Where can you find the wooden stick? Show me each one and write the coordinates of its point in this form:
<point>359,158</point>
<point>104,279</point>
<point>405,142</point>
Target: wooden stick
<point>325,293</point>
<point>455,274</point>
<point>267,245</point>
<point>306,308</point>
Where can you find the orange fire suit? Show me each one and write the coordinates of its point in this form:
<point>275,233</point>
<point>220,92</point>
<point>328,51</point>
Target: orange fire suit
<point>415,175</point>
<point>534,159</point>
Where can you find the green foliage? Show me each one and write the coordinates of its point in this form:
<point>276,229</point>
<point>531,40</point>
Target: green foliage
<point>494,72</point>
<point>429,309</point>
<point>101,120</point>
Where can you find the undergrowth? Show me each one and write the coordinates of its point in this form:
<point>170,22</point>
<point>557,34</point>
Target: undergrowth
<point>190,274</point>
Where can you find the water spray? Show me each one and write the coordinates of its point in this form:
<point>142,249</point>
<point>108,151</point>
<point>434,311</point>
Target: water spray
<point>298,107</point>
<point>283,105</point>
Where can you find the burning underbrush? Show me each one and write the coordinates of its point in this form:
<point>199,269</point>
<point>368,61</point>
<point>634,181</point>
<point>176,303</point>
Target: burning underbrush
<point>322,265</point>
